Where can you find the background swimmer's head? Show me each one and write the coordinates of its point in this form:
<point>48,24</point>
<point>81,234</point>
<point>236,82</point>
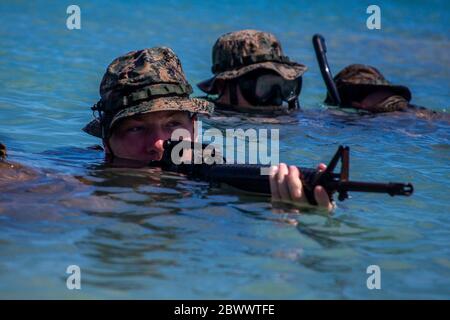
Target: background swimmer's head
<point>236,55</point>
<point>364,87</point>
<point>2,152</point>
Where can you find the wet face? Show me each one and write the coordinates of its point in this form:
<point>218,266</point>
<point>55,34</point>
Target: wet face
<point>260,89</point>
<point>224,94</point>
<point>141,138</point>
<point>372,99</point>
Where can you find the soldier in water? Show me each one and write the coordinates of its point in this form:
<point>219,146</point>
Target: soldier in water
<point>252,74</point>
<point>365,88</point>
<point>145,98</point>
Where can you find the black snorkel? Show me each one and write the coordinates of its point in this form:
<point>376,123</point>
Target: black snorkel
<point>321,54</point>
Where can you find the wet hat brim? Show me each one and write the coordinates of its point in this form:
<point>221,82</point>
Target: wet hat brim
<point>289,71</point>
<point>396,89</point>
<point>193,105</point>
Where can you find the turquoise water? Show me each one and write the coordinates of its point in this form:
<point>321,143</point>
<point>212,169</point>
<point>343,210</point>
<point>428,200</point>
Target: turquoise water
<point>139,233</point>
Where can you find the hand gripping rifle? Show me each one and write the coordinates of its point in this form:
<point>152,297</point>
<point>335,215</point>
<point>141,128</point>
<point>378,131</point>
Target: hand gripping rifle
<point>248,177</point>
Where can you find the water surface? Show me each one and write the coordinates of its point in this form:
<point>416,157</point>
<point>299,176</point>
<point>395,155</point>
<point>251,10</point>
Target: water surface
<point>140,233</point>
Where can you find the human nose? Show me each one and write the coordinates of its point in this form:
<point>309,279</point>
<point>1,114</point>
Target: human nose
<point>159,145</point>
<point>155,142</point>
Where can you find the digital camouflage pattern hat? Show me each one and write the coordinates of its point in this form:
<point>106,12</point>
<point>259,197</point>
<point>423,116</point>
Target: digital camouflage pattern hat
<point>358,79</point>
<point>141,82</point>
<point>240,52</point>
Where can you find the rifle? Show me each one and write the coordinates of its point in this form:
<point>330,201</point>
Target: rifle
<point>248,177</point>
<point>321,55</point>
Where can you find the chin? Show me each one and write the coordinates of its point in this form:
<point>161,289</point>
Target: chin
<point>151,158</point>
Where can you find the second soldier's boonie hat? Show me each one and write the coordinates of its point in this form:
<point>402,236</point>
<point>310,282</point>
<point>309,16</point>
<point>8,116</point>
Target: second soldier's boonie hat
<point>237,53</point>
<point>359,79</point>
<point>141,82</point>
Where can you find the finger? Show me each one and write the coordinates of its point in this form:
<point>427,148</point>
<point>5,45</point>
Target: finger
<point>294,183</point>
<point>322,198</point>
<point>282,182</point>
<point>273,184</point>
<point>322,167</point>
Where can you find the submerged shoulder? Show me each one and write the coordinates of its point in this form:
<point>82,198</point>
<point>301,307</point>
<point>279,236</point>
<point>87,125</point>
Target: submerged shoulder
<point>429,114</point>
<point>11,172</point>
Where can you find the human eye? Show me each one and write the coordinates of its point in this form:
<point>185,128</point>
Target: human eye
<point>134,129</point>
<point>173,124</point>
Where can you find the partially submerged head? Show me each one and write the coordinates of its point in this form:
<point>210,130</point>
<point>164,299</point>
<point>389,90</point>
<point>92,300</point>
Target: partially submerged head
<point>144,98</point>
<point>251,72</point>
<point>2,152</point>
<point>12,173</point>
<point>364,87</point>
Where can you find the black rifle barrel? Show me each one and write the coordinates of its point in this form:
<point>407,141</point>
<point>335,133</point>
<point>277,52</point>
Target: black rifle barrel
<point>391,188</point>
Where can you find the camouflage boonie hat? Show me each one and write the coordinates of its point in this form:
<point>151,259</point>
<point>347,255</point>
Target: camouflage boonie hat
<point>362,79</point>
<point>141,82</point>
<point>237,53</point>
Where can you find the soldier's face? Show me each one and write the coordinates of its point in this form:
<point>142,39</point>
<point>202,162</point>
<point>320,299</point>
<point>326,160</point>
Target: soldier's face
<point>260,90</point>
<point>141,138</point>
<point>226,99</point>
<point>372,99</point>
